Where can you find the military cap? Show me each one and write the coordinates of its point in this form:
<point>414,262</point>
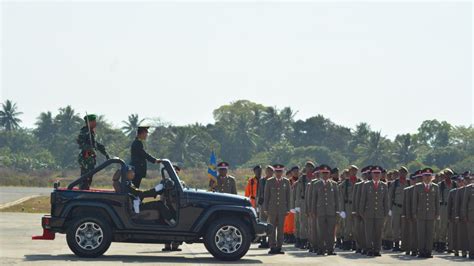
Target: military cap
<point>296,167</point>
<point>448,171</point>
<point>279,167</point>
<point>353,166</point>
<point>403,168</point>
<point>366,169</point>
<point>467,173</point>
<point>417,173</point>
<point>90,117</point>
<point>427,171</point>
<point>334,170</point>
<point>412,176</point>
<point>270,167</point>
<point>324,168</point>
<point>376,169</point>
<point>223,165</point>
<point>457,177</point>
<point>310,163</point>
<point>257,167</point>
<point>316,170</point>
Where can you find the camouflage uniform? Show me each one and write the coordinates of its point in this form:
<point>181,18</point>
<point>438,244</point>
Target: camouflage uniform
<point>87,157</point>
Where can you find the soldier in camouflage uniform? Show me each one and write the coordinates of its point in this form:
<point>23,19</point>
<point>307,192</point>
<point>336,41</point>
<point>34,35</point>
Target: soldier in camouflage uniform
<point>396,206</point>
<point>442,225</point>
<point>88,145</point>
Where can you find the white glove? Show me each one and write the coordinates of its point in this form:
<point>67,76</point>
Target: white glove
<point>159,187</point>
<point>293,211</point>
<point>342,214</point>
<point>136,205</point>
<point>390,213</point>
<point>298,209</point>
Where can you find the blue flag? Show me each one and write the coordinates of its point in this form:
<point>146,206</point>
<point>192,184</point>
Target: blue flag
<point>211,171</point>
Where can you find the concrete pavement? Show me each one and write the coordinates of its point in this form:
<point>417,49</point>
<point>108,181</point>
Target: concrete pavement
<point>17,248</point>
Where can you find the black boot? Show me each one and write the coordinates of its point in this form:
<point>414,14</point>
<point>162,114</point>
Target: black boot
<point>264,243</point>
<point>396,248</point>
<point>297,242</point>
<point>279,251</point>
<point>304,244</point>
<point>442,247</point>
<point>291,239</point>
<point>272,251</point>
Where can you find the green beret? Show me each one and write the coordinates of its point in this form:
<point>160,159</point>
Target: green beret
<point>90,117</point>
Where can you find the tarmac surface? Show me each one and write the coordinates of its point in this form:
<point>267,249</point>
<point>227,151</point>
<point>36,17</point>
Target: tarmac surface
<point>9,194</point>
<point>17,248</point>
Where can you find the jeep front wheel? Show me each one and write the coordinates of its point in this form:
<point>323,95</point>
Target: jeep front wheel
<point>228,239</point>
<point>89,237</point>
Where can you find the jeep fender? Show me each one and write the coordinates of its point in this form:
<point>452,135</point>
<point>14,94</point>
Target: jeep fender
<point>114,218</point>
<point>227,209</point>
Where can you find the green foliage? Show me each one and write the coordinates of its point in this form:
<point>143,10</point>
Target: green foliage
<point>244,134</point>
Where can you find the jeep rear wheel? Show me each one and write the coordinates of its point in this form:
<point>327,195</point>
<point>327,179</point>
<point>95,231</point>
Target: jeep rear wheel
<point>89,237</point>
<point>228,239</point>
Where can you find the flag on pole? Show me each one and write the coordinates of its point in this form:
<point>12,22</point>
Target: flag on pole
<point>211,171</point>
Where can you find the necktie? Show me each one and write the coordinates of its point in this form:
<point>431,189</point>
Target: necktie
<point>427,188</point>
<point>376,185</point>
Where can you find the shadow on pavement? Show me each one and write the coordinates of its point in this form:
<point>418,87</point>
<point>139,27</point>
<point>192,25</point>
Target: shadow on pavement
<point>135,259</point>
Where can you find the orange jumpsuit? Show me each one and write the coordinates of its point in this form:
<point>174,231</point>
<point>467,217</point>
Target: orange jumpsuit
<point>251,190</point>
<point>289,227</point>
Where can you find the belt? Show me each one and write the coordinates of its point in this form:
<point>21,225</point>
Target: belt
<point>443,203</point>
<point>348,201</point>
<point>398,205</point>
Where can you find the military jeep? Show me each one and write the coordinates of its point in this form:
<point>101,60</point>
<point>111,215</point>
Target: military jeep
<point>93,219</point>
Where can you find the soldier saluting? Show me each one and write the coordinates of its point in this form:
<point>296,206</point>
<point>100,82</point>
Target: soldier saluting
<point>88,146</point>
<point>139,156</point>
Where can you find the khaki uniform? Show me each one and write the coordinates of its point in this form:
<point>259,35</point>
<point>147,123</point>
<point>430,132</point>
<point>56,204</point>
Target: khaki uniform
<point>358,221</point>
<point>396,193</point>
<point>325,204</point>
<point>293,206</point>
<point>301,216</point>
<point>409,231</point>
<point>442,225</point>
<point>277,205</point>
<point>374,207</point>
<point>452,221</point>
<point>312,226</point>
<point>462,221</point>
<point>425,210</point>
<point>346,192</point>
<point>226,185</point>
<point>467,214</point>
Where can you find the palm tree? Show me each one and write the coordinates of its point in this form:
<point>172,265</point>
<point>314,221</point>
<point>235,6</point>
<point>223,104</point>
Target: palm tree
<point>404,149</point>
<point>67,120</point>
<point>182,143</point>
<point>131,126</point>
<point>375,151</point>
<point>9,116</point>
<point>45,127</point>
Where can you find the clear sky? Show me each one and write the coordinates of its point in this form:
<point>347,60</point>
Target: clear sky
<point>392,65</point>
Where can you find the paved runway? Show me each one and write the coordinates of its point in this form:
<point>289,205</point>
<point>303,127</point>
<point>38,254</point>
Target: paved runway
<point>16,247</point>
<point>9,194</point>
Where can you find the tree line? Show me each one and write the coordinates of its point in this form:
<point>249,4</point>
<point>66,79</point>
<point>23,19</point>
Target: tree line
<point>244,134</point>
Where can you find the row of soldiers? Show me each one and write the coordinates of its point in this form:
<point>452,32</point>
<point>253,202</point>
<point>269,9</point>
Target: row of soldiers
<point>414,213</point>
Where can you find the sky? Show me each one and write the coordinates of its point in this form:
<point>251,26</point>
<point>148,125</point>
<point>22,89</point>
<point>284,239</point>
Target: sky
<point>392,65</point>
